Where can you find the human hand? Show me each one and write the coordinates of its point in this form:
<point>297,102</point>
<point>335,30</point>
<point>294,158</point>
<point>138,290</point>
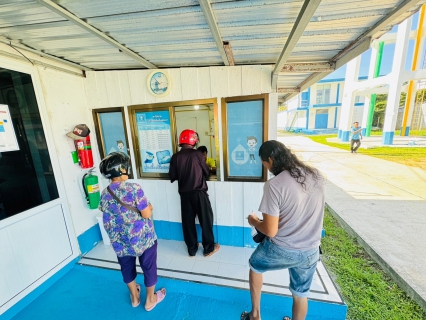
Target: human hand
<point>252,218</point>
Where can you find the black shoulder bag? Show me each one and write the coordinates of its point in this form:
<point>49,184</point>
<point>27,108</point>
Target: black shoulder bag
<point>122,203</point>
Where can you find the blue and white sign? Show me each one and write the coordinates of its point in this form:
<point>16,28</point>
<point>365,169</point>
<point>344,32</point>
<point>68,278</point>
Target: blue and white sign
<point>113,132</point>
<point>245,135</point>
<point>155,141</point>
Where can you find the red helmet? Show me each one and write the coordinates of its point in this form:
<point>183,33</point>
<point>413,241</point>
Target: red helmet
<point>188,136</point>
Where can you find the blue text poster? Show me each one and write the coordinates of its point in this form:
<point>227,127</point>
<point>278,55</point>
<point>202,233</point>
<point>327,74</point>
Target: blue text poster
<point>245,135</point>
<point>155,141</point>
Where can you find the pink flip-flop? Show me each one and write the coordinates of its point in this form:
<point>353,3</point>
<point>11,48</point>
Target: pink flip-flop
<point>138,287</point>
<point>161,294</point>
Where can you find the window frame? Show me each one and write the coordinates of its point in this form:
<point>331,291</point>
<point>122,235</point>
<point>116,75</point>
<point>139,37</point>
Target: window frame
<point>98,128</point>
<point>170,106</point>
<point>226,153</point>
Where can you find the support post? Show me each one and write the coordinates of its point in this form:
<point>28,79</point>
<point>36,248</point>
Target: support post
<point>351,77</point>
<point>398,67</point>
<point>410,99</point>
<point>378,63</point>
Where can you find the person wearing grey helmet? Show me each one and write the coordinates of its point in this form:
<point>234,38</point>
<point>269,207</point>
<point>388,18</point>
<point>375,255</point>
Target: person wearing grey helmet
<point>127,218</point>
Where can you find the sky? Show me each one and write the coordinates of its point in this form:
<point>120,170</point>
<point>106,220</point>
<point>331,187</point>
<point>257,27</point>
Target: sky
<point>388,51</point>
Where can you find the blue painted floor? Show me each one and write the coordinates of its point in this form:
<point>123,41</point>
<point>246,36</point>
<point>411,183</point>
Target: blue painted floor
<point>88,292</point>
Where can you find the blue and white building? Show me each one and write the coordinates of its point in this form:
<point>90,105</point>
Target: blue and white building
<point>318,107</point>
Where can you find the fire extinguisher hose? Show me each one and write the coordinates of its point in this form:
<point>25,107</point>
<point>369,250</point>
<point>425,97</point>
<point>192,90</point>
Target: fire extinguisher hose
<point>84,187</point>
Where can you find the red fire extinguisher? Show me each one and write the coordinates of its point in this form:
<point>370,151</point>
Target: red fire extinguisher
<point>84,151</point>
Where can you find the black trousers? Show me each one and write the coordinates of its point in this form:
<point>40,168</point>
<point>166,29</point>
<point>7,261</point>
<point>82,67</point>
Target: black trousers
<point>356,142</point>
<point>192,204</point>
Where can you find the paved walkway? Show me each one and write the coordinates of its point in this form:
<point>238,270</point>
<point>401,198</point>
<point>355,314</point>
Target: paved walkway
<point>382,203</point>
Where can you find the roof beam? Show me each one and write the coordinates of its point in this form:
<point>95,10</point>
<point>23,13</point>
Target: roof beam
<point>211,21</point>
<point>288,90</point>
<point>359,45</point>
<point>74,19</point>
<point>14,44</point>
<point>316,76</point>
<point>379,26</point>
<point>307,67</point>
<point>306,12</point>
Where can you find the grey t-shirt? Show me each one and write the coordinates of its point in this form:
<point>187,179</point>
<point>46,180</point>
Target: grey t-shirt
<point>300,210</point>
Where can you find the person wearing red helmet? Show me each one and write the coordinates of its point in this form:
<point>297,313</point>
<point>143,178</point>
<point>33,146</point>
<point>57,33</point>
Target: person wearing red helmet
<point>189,168</point>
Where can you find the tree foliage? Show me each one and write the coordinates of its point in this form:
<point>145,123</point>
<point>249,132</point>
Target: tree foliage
<point>381,102</point>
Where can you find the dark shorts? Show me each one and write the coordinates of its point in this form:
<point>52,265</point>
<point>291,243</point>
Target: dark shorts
<point>148,263</point>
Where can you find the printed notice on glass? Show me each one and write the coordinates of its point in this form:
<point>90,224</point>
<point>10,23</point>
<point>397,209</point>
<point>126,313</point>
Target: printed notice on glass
<point>8,140</point>
<point>245,135</point>
<point>155,141</point>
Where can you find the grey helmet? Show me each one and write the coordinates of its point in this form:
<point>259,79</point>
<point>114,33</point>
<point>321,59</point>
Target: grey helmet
<point>115,165</point>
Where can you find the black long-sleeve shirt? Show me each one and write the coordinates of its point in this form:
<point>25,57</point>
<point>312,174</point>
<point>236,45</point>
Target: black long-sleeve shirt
<point>189,168</point>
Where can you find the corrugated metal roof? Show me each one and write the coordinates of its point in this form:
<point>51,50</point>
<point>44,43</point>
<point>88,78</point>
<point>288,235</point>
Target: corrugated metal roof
<point>176,33</point>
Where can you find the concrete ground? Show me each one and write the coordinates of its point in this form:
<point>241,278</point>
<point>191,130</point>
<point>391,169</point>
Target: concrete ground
<point>382,203</point>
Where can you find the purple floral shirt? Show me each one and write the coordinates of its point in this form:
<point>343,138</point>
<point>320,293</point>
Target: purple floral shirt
<point>130,234</point>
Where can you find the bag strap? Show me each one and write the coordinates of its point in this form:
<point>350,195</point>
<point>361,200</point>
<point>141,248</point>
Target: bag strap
<point>122,203</point>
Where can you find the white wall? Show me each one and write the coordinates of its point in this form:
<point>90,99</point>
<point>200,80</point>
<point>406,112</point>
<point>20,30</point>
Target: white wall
<point>312,114</point>
<point>66,104</point>
<point>282,120</point>
<point>231,201</point>
<point>38,242</point>
<point>294,102</point>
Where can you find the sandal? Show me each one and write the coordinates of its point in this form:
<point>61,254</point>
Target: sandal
<point>245,315</point>
<point>161,294</point>
<point>286,318</point>
<point>138,287</point>
<point>216,249</point>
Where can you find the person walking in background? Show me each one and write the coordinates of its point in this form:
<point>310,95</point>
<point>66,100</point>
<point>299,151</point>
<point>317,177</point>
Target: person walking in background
<point>127,220</point>
<point>293,211</point>
<point>356,137</point>
<point>209,161</point>
<point>189,168</point>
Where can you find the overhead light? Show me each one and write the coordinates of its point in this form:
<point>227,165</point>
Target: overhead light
<point>196,107</point>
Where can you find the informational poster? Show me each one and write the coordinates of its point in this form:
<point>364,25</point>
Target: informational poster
<point>155,141</point>
<point>245,135</point>
<point>8,141</point>
<point>113,134</point>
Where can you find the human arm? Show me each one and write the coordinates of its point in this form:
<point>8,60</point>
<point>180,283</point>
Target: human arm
<point>203,164</point>
<point>173,176</point>
<point>142,203</point>
<point>268,226</point>
<point>147,212</point>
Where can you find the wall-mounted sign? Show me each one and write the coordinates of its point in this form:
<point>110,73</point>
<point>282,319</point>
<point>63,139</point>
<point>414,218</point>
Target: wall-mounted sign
<point>155,141</point>
<point>245,135</point>
<point>8,141</point>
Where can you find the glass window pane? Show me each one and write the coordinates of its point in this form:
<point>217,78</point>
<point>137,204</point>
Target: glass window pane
<point>113,134</point>
<point>26,175</point>
<point>245,135</point>
<point>155,141</point>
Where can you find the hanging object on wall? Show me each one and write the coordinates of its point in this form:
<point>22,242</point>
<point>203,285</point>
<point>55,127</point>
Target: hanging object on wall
<point>159,83</point>
<point>81,136</point>
<point>91,189</point>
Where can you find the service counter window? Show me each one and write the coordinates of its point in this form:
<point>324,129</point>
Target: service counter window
<point>156,129</point>
<point>245,128</point>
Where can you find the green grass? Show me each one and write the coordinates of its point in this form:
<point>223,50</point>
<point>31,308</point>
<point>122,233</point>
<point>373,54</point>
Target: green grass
<point>366,288</point>
<point>415,157</point>
<point>413,133</point>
